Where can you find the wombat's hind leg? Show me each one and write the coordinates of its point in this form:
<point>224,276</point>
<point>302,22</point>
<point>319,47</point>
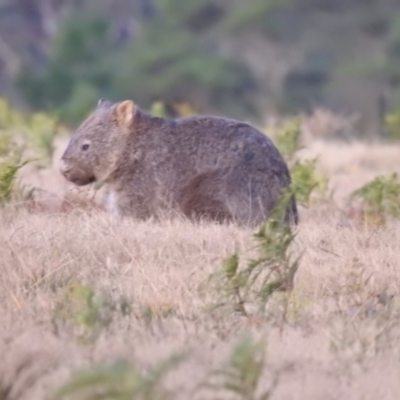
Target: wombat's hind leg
<point>198,200</point>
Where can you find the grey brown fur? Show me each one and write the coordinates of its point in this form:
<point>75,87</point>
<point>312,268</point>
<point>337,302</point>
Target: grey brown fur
<point>205,167</point>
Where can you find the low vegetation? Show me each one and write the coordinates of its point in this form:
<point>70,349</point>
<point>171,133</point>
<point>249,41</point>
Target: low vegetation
<point>242,374</point>
<point>119,381</point>
<point>250,286</point>
<point>379,198</point>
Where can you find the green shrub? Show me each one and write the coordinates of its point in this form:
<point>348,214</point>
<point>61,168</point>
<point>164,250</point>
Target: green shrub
<point>119,381</point>
<point>307,181</point>
<point>10,163</point>
<point>87,310</point>
<point>36,131</point>
<point>379,198</point>
<point>40,129</point>
<point>158,109</point>
<point>245,285</point>
<point>242,375</point>
<point>8,174</point>
<point>287,138</point>
<point>9,118</point>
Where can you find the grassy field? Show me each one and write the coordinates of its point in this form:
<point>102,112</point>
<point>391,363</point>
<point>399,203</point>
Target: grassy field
<point>80,291</point>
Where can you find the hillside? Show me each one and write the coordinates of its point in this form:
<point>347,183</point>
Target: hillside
<point>239,58</point>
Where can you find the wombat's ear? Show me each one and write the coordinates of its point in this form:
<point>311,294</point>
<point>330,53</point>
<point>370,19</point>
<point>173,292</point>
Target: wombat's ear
<point>125,112</point>
<point>103,103</point>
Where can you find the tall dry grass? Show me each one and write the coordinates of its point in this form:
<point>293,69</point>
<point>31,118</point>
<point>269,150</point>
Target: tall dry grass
<point>78,289</point>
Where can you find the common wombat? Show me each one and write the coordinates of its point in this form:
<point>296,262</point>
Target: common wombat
<point>205,167</point>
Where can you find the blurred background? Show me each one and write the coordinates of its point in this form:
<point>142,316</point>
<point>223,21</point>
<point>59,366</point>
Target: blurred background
<point>241,58</point>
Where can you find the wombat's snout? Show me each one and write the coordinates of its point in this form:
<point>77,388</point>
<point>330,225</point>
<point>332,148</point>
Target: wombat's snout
<point>64,168</point>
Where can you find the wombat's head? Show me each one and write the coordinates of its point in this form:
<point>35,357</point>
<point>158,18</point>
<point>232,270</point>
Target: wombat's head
<point>94,149</point>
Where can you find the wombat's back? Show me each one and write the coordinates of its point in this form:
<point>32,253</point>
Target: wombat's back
<point>219,142</point>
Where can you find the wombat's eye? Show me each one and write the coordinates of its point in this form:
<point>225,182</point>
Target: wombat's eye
<point>85,147</point>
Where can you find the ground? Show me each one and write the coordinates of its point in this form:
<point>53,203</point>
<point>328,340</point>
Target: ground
<point>151,296</point>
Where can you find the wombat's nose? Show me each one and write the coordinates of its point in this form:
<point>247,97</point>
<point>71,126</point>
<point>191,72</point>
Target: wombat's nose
<point>64,168</point>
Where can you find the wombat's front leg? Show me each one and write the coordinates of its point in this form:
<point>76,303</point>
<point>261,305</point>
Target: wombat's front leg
<point>119,205</point>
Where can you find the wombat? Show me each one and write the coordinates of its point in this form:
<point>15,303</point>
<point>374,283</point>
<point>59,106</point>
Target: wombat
<point>202,166</point>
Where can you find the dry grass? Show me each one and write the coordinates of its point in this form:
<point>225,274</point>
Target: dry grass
<point>342,333</point>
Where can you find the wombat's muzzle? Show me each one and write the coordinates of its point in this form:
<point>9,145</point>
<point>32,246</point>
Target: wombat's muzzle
<point>75,176</point>
<point>64,168</point>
